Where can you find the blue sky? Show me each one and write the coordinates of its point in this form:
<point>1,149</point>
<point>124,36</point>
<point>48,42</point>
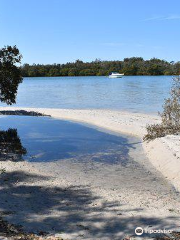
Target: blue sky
<point>59,31</point>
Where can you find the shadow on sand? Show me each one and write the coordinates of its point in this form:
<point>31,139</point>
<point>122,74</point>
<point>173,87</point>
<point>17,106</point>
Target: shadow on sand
<point>26,199</point>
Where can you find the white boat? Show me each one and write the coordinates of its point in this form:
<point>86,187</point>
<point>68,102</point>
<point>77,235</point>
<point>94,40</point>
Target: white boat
<point>116,75</point>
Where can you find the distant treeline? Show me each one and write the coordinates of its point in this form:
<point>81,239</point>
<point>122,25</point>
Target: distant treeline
<point>129,66</point>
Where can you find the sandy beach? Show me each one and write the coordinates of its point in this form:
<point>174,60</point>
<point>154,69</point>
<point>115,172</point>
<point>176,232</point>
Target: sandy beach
<point>163,153</point>
<point>95,200</point>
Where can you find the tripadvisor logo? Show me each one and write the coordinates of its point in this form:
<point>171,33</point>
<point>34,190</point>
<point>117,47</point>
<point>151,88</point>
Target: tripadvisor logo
<point>139,231</point>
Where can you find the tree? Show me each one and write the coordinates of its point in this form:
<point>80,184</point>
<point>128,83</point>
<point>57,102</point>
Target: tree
<point>72,72</point>
<point>10,74</point>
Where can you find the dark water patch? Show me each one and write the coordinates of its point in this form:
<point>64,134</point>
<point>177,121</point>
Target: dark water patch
<point>46,139</point>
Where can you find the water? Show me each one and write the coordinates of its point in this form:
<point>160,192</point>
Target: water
<point>47,139</point>
<point>131,93</point>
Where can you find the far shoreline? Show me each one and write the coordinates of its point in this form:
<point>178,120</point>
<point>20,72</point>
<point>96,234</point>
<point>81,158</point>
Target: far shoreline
<point>99,76</point>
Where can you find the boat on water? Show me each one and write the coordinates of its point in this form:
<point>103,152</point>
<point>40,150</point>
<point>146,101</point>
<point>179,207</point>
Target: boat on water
<point>116,75</point>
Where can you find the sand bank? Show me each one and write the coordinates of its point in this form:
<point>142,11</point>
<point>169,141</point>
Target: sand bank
<point>163,153</point>
<point>95,200</point>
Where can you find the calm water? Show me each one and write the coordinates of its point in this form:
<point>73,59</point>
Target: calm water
<point>47,139</point>
<point>131,93</point>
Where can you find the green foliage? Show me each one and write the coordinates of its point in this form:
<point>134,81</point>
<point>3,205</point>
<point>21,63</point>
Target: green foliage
<point>170,116</point>
<point>10,75</point>
<point>130,66</point>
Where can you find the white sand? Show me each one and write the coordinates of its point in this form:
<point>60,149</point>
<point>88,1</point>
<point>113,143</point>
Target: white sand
<point>163,153</point>
<point>98,201</point>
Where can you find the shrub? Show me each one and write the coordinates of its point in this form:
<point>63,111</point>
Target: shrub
<point>170,116</point>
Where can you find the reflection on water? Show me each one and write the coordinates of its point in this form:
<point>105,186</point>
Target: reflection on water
<point>10,146</point>
<point>131,93</point>
<point>47,139</point>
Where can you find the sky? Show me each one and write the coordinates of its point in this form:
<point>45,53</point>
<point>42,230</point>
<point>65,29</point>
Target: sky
<point>60,31</point>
